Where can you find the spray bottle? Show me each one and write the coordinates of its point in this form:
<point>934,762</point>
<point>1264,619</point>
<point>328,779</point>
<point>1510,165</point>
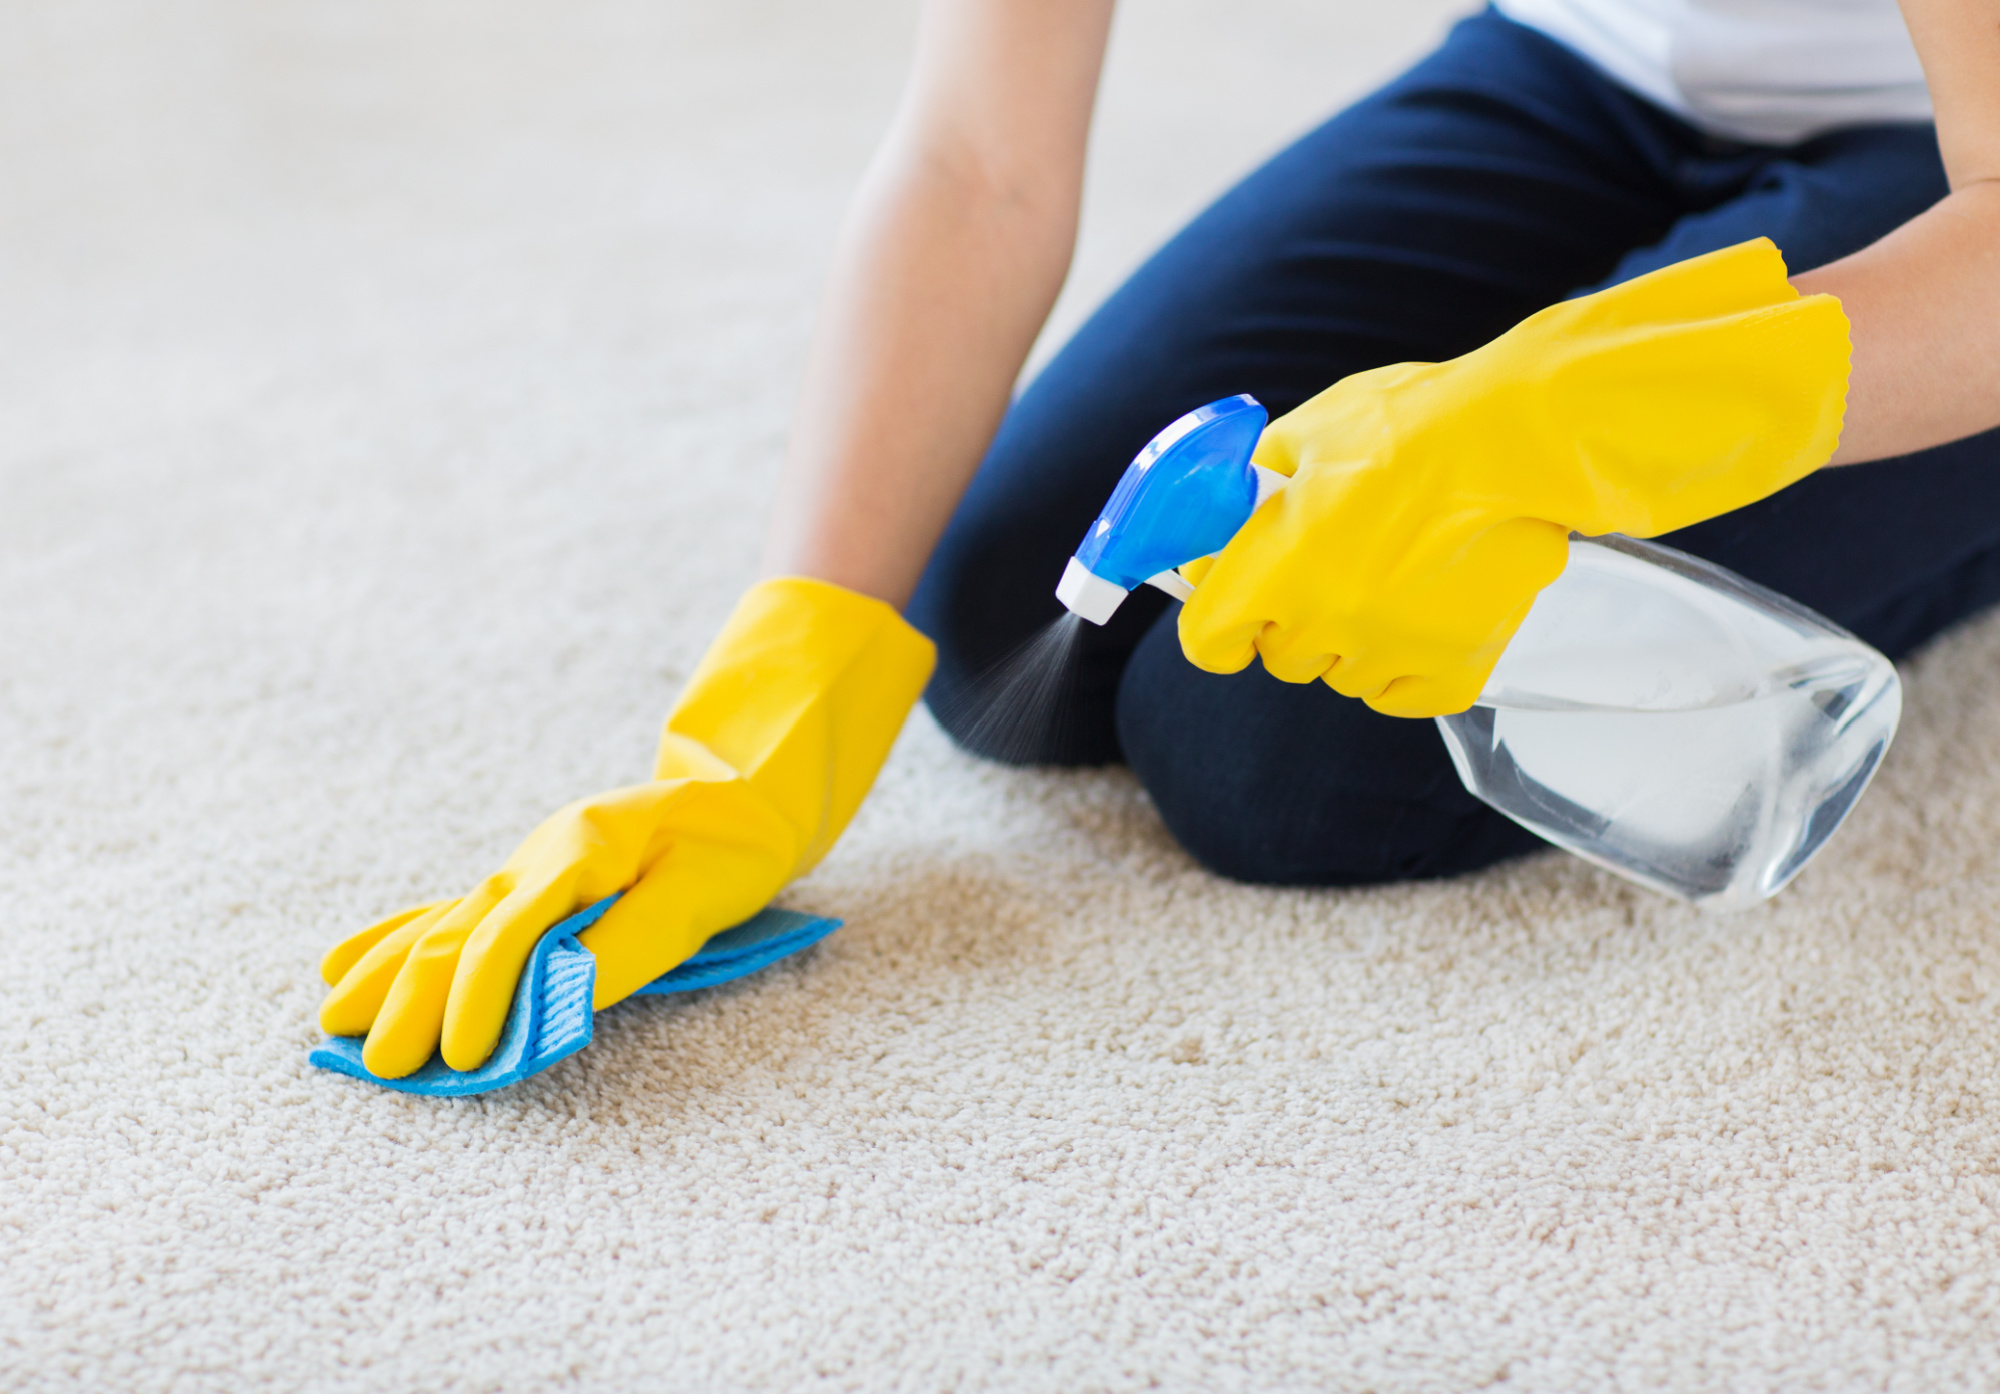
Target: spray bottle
<point>1655,714</point>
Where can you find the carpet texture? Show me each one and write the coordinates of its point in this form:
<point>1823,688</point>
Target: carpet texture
<point>392,394</point>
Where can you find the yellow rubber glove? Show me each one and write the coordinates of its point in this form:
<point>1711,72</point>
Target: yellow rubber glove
<point>764,759</point>
<point>1431,501</point>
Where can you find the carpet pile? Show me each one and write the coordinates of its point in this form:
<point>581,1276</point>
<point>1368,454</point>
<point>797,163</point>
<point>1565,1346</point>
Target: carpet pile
<point>392,397</point>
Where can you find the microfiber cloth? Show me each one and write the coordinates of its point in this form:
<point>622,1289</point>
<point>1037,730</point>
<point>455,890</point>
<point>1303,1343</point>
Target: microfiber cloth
<point>551,1016</point>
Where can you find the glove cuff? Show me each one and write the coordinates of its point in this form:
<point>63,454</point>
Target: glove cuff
<point>1670,398</point>
<point>803,694</point>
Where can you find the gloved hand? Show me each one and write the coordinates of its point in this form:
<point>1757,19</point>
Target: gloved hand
<point>764,759</point>
<point>1431,501</point>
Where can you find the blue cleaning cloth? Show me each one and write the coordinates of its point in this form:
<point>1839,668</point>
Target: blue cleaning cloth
<point>551,1016</point>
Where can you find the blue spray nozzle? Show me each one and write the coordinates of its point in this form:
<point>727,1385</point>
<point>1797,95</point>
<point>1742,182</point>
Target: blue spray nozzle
<point>1182,497</point>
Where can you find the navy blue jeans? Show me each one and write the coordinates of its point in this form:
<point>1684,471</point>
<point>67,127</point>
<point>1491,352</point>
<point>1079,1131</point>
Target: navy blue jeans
<point>1499,175</point>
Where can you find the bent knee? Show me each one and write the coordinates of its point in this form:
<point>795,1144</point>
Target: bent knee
<point>1340,839</point>
<point>1292,785</point>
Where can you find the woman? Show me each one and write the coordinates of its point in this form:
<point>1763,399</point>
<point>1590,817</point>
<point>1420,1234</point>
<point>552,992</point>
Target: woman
<point>1633,149</point>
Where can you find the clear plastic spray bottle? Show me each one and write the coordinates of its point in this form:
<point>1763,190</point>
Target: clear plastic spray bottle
<point>1654,714</point>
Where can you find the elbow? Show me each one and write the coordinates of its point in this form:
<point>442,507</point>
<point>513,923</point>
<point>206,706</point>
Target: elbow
<point>1032,200</point>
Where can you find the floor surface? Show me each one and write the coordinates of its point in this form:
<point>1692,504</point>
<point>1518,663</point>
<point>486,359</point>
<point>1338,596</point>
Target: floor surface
<point>390,397</point>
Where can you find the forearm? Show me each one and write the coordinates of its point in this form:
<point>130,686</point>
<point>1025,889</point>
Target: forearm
<point>954,254</point>
<point>1924,305</point>
<point>940,287</point>
<point>1924,302</point>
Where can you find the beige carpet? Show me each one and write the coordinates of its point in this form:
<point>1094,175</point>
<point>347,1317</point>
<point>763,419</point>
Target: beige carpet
<point>390,392</point>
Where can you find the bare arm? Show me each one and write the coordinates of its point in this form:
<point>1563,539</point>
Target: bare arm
<point>1925,300</point>
<point>951,259</point>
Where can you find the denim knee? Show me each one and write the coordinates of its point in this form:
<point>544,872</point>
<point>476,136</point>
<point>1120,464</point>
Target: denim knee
<point>987,600</point>
<point>1291,784</point>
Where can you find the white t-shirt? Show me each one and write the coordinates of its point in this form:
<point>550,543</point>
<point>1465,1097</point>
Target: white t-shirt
<point>1772,71</point>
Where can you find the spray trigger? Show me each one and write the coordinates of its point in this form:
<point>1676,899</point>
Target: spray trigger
<point>1182,497</point>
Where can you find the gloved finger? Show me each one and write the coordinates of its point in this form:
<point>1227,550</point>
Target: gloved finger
<point>350,1009</point>
<point>1443,694</point>
<point>594,848</point>
<point>1528,553</point>
<point>1215,641</point>
<point>1219,625</point>
<point>1196,571</point>
<point>1277,449</point>
<point>648,932</point>
<point>344,955</point>
<point>731,856</point>
<point>485,972</point>
<point>1362,676</point>
<point>407,1027</point>
<point>1292,657</point>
